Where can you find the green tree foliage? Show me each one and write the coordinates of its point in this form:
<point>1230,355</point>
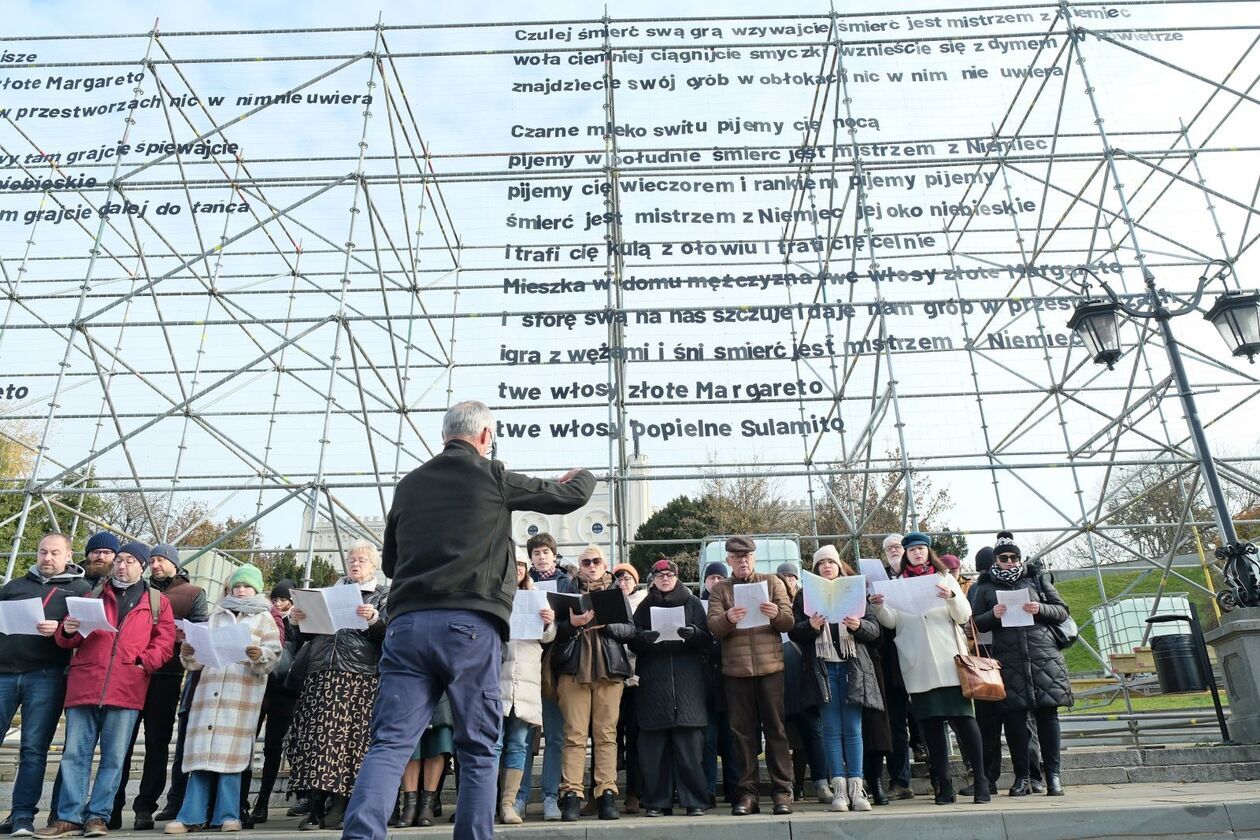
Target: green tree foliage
<point>683,518</point>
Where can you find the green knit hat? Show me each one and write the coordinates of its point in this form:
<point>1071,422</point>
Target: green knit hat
<point>248,575</point>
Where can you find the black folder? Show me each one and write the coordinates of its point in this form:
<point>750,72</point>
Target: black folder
<point>610,605</point>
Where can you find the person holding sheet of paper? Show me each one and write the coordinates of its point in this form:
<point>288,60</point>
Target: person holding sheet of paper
<point>592,665</point>
<point>33,669</point>
<point>752,668</point>
<point>223,720</point>
<point>626,577</point>
<point>1033,669</point>
<point>105,690</point>
<point>670,708</point>
<point>331,728</point>
<point>520,691</point>
<point>926,645</point>
<point>838,670</point>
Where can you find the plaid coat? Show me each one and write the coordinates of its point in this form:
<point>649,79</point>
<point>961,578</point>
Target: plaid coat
<point>223,719</point>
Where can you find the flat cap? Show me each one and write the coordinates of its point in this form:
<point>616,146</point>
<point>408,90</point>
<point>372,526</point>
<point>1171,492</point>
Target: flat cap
<point>740,545</point>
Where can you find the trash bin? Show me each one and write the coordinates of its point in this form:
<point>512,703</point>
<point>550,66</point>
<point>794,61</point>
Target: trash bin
<point>1177,664</point>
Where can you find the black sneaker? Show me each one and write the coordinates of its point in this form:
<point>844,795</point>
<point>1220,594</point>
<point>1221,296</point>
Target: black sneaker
<point>570,807</point>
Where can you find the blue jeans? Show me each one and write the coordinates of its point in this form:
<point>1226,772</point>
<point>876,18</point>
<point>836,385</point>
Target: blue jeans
<point>553,746</point>
<point>40,695</point>
<point>85,725</point>
<point>227,800</point>
<point>512,745</point>
<point>842,725</point>
<point>426,653</point>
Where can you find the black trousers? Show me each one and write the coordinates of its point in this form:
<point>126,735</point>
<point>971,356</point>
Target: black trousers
<point>989,719</point>
<point>808,726</point>
<point>277,712</point>
<point>179,779</point>
<point>904,731</point>
<point>628,742</point>
<point>934,737</point>
<point>672,763</point>
<point>161,704</point>
<point>1019,737</point>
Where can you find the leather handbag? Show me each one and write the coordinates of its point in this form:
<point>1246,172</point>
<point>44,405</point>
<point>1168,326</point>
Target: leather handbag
<point>979,677</point>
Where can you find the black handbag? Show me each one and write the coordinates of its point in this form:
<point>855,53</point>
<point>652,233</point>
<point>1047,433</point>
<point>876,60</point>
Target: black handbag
<point>296,676</point>
<point>1065,632</point>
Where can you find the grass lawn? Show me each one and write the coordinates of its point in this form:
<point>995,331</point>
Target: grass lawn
<point>1082,594</point>
<point>1156,703</point>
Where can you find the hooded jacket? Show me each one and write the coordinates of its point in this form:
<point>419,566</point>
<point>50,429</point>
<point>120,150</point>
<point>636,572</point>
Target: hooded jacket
<point>448,536</point>
<point>1033,669</point>
<point>113,669</point>
<point>20,654</point>
<point>673,675</point>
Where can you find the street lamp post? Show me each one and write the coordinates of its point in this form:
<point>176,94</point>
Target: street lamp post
<point>1236,315</point>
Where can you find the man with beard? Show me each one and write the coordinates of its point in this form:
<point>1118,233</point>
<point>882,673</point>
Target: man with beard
<point>188,602</point>
<point>99,557</point>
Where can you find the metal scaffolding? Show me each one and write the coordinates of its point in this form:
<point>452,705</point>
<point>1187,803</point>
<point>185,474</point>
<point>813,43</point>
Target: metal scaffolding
<point>281,360</point>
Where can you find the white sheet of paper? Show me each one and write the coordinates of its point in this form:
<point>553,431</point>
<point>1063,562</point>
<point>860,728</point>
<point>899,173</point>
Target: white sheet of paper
<point>985,639</point>
<point>526,622</point>
<point>18,618</point>
<point>873,570</point>
<point>91,615</point>
<point>910,595</point>
<point>751,596</point>
<point>330,609</point>
<point>668,621</point>
<point>546,585</point>
<point>217,647</point>
<point>836,599</point>
<point>1014,600</point>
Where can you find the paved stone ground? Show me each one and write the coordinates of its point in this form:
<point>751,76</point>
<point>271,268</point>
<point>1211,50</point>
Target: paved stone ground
<point>1226,810</point>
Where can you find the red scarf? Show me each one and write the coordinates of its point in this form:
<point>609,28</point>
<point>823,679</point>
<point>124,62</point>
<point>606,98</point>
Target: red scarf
<point>910,571</point>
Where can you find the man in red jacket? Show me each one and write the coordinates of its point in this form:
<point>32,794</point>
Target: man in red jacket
<point>108,681</point>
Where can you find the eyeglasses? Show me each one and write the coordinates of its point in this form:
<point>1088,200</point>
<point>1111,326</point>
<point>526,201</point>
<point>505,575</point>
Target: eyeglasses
<point>664,575</point>
<point>1007,558</point>
<point>591,561</point>
<point>126,561</point>
<point>358,561</point>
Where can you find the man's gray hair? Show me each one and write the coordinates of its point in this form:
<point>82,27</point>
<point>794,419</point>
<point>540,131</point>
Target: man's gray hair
<point>466,420</point>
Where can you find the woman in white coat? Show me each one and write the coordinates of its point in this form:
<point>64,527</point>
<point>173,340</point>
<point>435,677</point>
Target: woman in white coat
<point>926,645</point>
<point>223,719</point>
<point>520,692</point>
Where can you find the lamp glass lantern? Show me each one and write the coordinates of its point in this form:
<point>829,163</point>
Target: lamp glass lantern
<point>1236,316</point>
<point>1097,324</point>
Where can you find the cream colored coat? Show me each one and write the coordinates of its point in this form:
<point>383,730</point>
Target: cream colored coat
<point>520,678</point>
<point>223,720</point>
<point>926,643</point>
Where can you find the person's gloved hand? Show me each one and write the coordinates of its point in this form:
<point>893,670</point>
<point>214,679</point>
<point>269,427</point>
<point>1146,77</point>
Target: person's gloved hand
<point>648,636</point>
<point>688,632</point>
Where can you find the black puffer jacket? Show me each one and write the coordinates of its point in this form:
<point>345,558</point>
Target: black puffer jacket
<point>568,648</point>
<point>1033,669</point>
<point>673,676</point>
<point>864,686</point>
<point>348,651</point>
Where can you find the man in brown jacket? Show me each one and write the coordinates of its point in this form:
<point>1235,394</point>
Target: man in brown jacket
<point>752,665</point>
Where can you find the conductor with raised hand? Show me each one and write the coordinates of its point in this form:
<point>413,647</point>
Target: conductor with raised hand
<point>448,550</point>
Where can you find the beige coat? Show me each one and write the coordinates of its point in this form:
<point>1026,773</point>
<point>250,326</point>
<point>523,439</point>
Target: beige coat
<point>926,643</point>
<point>635,598</point>
<point>755,651</point>
<point>520,679</point>
<point>223,720</point>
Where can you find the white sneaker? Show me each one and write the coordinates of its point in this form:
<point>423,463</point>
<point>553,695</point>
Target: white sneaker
<point>823,791</point>
<point>175,827</point>
<point>551,809</point>
<point>857,795</point>
<point>230,825</point>
<point>840,797</point>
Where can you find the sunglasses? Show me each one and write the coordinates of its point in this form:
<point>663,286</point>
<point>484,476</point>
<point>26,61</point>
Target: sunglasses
<point>1007,558</point>
<point>591,561</point>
